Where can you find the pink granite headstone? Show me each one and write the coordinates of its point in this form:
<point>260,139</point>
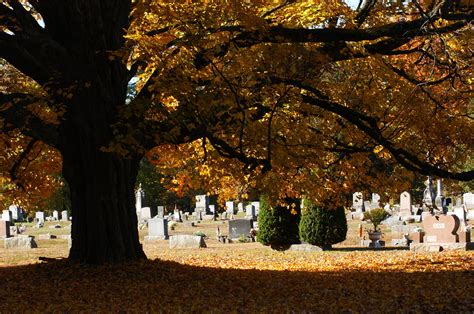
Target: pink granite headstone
<point>441,229</point>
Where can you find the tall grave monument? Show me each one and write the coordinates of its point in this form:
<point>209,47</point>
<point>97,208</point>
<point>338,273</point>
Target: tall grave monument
<point>202,204</point>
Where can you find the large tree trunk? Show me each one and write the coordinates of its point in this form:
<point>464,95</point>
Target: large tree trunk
<point>104,227</point>
<point>101,179</point>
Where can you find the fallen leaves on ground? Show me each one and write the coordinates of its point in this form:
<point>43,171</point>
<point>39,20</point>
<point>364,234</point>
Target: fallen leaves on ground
<point>248,278</point>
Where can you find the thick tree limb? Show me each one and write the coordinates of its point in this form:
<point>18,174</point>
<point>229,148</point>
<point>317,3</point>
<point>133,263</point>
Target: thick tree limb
<point>391,37</point>
<point>16,166</point>
<point>13,111</point>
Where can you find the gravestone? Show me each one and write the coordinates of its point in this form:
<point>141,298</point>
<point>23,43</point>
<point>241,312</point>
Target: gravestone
<point>157,229</point>
<point>375,202</point>
<point>240,207</point>
<point>177,215</point>
<point>161,212</point>
<point>55,215</point>
<point>186,241</point>
<point>439,199</point>
<point>20,242</point>
<point>139,194</point>
<point>64,215</point>
<point>441,229</point>
<point>468,200</point>
<point>4,229</point>
<point>145,213</point>
<point>212,209</point>
<point>229,205</point>
<point>367,205</point>
<point>458,201</point>
<point>460,212</point>
<point>17,213</point>
<point>256,204</point>
<point>470,215</point>
<point>238,227</point>
<point>39,217</point>
<point>7,215</point>
<point>305,247</point>
<point>405,203</point>
<point>428,193</point>
<point>202,203</point>
<point>250,212</point>
<point>358,202</point>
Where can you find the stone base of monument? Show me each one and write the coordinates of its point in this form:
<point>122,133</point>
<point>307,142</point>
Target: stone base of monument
<point>155,238</point>
<point>20,242</point>
<point>304,248</point>
<point>438,247</point>
<point>377,244</point>
<point>368,243</point>
<point>184,241</point>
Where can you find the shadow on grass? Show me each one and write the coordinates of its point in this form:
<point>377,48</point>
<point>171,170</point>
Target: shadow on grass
<point>162,286</point>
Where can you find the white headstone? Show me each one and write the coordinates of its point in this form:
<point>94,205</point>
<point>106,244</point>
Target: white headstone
<point>55,215</point>
<point>202,203</point>
<point>7,215</point>
<point>240,207</point>
<point>468,200</point>
<point>64,215</point>
<point>460,212</point>
<point>358,201</point>
<point>161,211</point>
<point>212,208</point>
<point>256,204</point>
<point>157,229</point>
<point>405,202</point>
<point>229,205</point>
<point>176,215</point>
<point>39,217</point>
<point>375,203</point>
<point>250,211</point>
<point>17,213</point>
<point>145,213</point>
<point>138,198</point>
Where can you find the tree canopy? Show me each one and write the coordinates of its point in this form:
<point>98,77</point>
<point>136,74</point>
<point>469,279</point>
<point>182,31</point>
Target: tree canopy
<point>312,96</point>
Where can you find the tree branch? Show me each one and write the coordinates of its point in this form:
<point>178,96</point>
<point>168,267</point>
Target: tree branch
<point>14,112</point>
<point>368,125</point>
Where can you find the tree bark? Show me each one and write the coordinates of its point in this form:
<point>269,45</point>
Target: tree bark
<point>104,228</point>
<point>101,182</point>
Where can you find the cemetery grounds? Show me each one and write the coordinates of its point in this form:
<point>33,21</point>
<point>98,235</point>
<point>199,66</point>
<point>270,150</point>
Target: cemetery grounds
<point>237,277</point>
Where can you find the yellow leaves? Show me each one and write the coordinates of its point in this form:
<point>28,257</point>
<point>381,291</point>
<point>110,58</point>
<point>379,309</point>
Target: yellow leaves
<point>332,281</point>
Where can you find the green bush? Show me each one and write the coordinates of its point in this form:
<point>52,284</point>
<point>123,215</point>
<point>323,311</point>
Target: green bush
<point>278,226</point>
<point>322,227</point>
<point>376,216</point>
<point>200,233</point>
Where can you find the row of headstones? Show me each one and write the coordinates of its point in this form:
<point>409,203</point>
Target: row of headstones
<point>158,228</point>
<point>406,205</point>
<point>41,218</point>
<point>202,209</point>
<point>359,205</point>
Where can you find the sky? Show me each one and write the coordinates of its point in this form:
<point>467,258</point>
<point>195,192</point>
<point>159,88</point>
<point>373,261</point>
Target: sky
<point>352,3</point>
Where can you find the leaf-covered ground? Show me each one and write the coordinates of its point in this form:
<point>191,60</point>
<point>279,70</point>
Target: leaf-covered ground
<point>247,278</point>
